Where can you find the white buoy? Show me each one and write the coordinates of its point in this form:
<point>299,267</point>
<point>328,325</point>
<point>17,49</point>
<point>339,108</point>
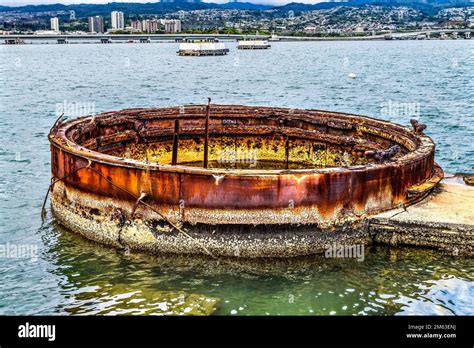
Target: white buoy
<point>352,75</point>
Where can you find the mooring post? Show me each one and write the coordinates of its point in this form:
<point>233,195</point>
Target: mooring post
<point>174,160</point>
<point>206,140</point>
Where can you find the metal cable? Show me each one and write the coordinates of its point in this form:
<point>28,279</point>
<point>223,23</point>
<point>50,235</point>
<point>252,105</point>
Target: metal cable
<point>137,199</point>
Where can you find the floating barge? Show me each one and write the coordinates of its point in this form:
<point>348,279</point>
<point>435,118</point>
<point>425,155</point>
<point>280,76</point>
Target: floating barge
<point>253,45</point>
<point>16,41</point>
<point>160,179</point>
<point>202,47</point>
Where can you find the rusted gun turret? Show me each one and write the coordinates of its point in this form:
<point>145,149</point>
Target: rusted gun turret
<point>136,178</point>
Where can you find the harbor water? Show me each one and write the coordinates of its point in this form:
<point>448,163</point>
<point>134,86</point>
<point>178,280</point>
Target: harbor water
<point>45,269</point>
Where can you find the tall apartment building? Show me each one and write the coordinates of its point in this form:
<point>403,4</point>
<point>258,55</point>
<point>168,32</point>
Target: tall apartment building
<point>117,20</point>
<point>150,25</point>
<point>96,24</point>
<point>172,25</point>
<point>55,24</point>
<point>153,25</point>
<point>136,25</point>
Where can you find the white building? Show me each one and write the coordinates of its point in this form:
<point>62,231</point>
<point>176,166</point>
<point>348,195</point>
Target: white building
<point>359,29</point>
<point>96,24</point>
<point>136,25</point>
<point>150,25</point>
<point>45,32</point>
<point>172,25</point>
<point>55,24</point>
<point>311,29</point>
<point>117,20</point>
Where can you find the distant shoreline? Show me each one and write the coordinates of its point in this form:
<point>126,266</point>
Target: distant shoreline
<point>448,34</point>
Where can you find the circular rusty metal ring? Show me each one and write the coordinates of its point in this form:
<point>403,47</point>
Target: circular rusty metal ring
<point>326,177</point>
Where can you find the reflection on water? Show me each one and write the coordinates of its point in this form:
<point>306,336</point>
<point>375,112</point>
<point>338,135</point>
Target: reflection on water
<point>453,296</point>
<point>100,280</point>
<point>116,299</point>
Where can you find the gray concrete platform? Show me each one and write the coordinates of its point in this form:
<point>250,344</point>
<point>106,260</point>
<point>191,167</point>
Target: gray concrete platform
<point>444,220</point>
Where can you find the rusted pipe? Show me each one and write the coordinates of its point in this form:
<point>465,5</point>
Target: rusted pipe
<point>56,123</point>
<point>418,128</point>
<point>381,155</point>
<point>137,203</point>
<point>206,140</point>
<point>174,159</point>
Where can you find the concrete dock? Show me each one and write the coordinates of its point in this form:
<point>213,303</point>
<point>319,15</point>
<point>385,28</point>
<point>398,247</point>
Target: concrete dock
<point>444,220</point>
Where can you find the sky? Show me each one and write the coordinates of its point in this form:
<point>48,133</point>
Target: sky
<point>38,2</point>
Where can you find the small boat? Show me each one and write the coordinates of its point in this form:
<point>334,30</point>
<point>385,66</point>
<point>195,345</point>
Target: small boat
<point>274,37</point>
<point>253,45</point>
<point>202,47</point>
